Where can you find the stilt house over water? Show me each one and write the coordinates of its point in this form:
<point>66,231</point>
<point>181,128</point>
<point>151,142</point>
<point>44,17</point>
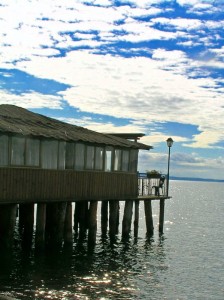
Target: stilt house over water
<point>44,160</point>
<point>53,164</point>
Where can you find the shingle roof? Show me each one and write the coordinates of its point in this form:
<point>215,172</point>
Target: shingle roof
<point>14,119</point>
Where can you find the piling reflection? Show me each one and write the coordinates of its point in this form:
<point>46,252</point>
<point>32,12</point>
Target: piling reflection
<point>114,268</point>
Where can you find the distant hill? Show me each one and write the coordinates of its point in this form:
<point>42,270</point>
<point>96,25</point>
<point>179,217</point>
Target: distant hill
<point>195,179</point>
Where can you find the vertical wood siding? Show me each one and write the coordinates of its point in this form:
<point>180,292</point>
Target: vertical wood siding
<point>38,185</point>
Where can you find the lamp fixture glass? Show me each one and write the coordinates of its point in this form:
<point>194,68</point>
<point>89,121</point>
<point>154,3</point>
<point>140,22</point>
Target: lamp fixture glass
<point>169,142</point>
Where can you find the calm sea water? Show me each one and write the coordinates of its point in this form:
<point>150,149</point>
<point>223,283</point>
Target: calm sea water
<point>187,262</point>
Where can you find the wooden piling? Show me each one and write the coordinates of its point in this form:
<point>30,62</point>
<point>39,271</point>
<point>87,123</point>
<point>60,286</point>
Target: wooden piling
<point>114,217</point>
<point>55,218</point>
<point>40,225</point>
<point>92,222</point>
<point>26,224</point>
<point>136,218</point>
<point>118,217</point>
<point>104,217</point>
<point>7,224</point>
<point>126,223</point>
<point>68,224</point>
<point>161,215</point>
<point>76,217</point>
<point>82,217</point>
<point>22,216</point>
<point>60,222</point>
<point>86,214</point>
<point>148,218</point>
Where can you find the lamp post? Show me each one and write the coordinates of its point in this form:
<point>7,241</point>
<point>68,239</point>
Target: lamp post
<point>169,142</point>
<point>162,200</point>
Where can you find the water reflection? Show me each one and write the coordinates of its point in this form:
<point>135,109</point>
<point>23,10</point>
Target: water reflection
<point>104,272</point>
<point>143,268</point>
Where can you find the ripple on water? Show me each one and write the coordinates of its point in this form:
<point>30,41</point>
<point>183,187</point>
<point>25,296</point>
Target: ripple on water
<point>185,263</point>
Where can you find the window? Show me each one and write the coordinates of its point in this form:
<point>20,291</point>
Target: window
<point>89,157</point>
<point>133,160</point>
<point>99,158</point>
<point>49,154</point>
<point>4,150</point>
<point>125,160</point>
<point>17,151</point>
<point>79,156</point>
<point>61,155</point>
<point>32,157</point>
<point>108,159</point>
<point>70,156</point>
<point>117,160</point>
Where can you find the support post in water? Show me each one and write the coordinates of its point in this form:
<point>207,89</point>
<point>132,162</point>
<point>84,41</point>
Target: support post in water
<point>114,217</point>
<point>28,222</point>
<point>40,225</point>
<point>148,218</point>
<point>104,217</point>
<point>83,218</point>
<point>7,224</point>
<point>126,224</point>
<point>118,217</point>
<point>76,217</point>
<point>92,222</point>
<point>136,219</point>
<point>55,220</point>
<point>68,224</point>
<point>161,215</point>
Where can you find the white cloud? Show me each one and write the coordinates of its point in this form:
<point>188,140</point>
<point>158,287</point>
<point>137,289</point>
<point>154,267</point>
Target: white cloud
<point>141,31</point>
<point>199,7</point>
<point>154,139</point>
<point>27,28</point>
<point>157,89</point>
<point>31,100</point>
<point>129,88</point>
<point>180,23</point>
<point>182,164</point>
<point>104,127</point>
<point>143,3</point>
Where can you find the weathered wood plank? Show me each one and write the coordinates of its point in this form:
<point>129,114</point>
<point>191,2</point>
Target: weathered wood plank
<point>20,185</point>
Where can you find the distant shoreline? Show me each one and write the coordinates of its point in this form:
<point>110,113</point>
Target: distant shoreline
<point>196,179</point>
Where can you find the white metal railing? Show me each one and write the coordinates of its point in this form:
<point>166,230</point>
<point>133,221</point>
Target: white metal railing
<point>152,186</point>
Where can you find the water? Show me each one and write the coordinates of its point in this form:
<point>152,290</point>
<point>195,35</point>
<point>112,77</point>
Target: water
<point>187,262</point>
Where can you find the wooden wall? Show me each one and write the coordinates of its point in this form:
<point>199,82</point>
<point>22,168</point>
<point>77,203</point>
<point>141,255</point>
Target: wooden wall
<point>22,185</point>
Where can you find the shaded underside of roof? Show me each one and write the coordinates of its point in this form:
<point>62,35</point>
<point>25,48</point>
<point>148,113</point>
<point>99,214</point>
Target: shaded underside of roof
<point>17,120</point>
<point>128,136</point>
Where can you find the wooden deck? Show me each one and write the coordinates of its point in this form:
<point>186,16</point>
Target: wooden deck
<point>30,185</point>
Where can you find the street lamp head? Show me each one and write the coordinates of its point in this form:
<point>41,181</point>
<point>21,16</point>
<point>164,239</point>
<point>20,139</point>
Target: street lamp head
<point>169,142</point>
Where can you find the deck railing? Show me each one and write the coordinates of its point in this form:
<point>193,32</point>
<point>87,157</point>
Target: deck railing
<point>150,186</point>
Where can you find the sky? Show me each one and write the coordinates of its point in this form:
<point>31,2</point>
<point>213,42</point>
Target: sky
<point>147,66</point>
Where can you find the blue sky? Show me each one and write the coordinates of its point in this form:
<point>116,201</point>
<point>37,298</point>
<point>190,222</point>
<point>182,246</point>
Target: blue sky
<point>147,66</point>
